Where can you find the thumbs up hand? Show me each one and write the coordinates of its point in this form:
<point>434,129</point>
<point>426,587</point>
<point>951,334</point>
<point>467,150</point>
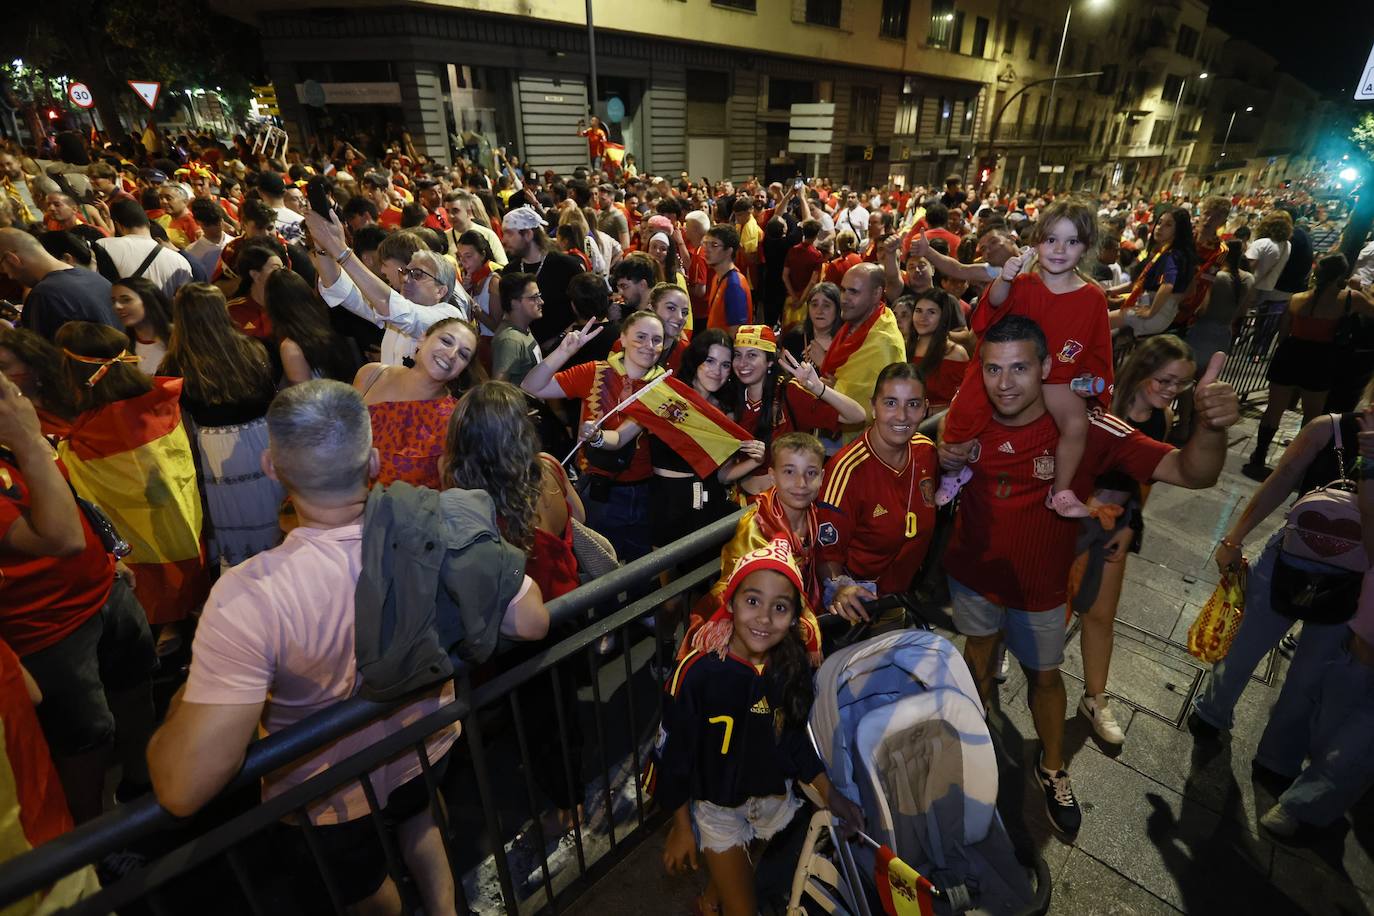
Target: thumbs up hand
<point>1215,401</point>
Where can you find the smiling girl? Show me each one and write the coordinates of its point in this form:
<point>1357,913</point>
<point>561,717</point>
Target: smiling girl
<point>733,738</point>
<point>410,406</point>
<point>1072,312</point>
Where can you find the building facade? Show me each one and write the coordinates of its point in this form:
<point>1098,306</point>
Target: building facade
<point>922,88</point>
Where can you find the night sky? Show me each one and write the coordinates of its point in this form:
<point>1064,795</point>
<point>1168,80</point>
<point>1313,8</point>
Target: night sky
<point>1325,43</point>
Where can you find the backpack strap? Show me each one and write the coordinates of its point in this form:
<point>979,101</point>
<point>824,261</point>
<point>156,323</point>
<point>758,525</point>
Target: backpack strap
<point>1337,444</point>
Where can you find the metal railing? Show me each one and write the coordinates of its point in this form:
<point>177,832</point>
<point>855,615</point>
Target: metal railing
<point>216,838</point>
<point>1252,348</point>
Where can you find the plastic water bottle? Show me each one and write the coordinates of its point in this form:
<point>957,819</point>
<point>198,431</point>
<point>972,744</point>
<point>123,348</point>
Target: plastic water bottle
<point>1088,386</point>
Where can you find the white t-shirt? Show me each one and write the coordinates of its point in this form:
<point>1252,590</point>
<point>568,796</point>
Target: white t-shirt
<point>168,270</point>
<point>855,220</point>
<point>206,253</point>
<point>1268,258</point>
<point>149,355</point>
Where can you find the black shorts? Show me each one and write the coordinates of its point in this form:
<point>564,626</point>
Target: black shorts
<point>112,651</point>
<point>1306,364</point>
<point>353,851</point>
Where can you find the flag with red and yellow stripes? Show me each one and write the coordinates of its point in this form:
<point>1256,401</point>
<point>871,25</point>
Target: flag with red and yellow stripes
<point>904,890</point>
<point>688,424</point>
<point>132,458</point>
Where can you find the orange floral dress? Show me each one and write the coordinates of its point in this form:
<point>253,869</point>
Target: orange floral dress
<point>409,438</point>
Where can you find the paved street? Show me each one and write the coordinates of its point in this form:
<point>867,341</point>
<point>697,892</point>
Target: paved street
<point>1167,827</point>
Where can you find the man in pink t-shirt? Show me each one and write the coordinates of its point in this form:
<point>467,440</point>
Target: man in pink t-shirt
<point>276,644</point>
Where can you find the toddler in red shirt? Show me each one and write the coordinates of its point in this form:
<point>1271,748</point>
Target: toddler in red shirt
<point>1072,311</point>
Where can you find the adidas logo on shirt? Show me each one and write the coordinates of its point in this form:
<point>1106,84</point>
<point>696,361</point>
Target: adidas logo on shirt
<point>879,511</point>
<point>761,707</point>
<point>1006,447</point>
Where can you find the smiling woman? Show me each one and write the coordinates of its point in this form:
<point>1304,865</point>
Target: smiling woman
<point>410,405</point>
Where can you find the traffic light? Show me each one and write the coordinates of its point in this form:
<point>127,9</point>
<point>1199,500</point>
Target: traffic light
<point>53,113</point>
<point>266,97</point>
<point>986,166</point>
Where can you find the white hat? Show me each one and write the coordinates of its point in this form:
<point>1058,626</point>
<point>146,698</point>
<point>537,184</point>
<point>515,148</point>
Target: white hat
<point>525,217</point>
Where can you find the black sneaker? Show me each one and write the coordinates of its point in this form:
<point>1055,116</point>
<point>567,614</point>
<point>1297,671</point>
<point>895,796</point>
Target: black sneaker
<point>1257,471</point>
<point>1065,815</point>
<point>1201,729</point>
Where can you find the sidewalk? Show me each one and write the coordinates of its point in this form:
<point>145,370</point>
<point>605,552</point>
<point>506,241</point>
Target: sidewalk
<point>1166,827</point>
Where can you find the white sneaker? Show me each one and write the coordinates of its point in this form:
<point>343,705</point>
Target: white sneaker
<point>1100,715</point>
<point>1003,666</point>
<point>1279,822</point>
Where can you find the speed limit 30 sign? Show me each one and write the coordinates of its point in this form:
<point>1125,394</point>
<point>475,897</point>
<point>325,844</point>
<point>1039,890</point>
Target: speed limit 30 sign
<point>81,96</point>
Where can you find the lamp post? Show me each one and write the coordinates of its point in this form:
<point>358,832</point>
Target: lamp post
<point>1230,124</point>
<point>1178,109</point>
<point>1058,61</point>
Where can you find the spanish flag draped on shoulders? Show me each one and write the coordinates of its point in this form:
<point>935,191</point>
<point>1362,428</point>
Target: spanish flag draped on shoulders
<point>758,527</point>
<point>133,459</point>
<point>859,352</point>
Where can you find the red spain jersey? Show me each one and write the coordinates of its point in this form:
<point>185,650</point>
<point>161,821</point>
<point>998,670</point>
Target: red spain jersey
<point>876,520</point>
<point>1007,545</point>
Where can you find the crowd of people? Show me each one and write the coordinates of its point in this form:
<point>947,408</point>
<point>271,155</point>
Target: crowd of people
<point>267,384</point>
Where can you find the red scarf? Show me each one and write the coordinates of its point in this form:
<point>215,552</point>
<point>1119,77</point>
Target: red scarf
<point>773,523</point>
<point>1139,288</point>
<point>474,283</point>
<point>848,340</point>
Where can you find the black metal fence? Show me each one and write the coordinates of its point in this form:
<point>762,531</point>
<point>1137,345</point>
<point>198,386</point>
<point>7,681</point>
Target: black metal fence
<point>1252,347</point>
<point>223,859</point>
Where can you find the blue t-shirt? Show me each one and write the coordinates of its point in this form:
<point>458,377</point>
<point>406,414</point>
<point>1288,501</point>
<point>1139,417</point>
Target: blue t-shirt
<point>75,294</point>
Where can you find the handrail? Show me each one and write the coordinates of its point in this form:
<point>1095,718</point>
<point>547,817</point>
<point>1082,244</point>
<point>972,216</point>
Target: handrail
<point>116,829</point>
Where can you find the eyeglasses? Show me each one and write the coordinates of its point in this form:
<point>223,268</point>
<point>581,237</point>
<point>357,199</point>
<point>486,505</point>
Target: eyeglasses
<point>1177,385</point>
<point>533,297</point>
<point>415,273</point>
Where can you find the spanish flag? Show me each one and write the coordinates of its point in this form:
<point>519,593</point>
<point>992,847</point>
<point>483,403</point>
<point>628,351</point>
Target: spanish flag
<point>904,890</point>
<point>132,458</point>
<point>858,354</point>
<point>688,424</point>
<point>615,152</point>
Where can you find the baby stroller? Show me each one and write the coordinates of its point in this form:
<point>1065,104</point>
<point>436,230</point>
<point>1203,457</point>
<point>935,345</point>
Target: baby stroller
<point>898,723</point>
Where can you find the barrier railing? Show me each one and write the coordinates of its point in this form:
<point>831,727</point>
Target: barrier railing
<point>1252,348</point>
<point>218,839</point>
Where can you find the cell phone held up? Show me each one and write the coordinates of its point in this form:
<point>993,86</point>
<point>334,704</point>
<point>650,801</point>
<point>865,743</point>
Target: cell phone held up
<point>319,190</point>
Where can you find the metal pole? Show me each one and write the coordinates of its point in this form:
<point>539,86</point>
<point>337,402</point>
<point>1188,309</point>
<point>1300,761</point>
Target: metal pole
<point>1173,128</point>
<point>1230,124</point>
<point>1058,60</point>
<point>591,57</point>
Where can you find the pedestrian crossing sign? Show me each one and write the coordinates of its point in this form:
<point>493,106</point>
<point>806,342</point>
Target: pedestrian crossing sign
<point>1364,92</point>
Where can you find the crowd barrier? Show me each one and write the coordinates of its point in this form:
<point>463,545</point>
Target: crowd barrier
<point>215,846</point>
<point>1252,347</point>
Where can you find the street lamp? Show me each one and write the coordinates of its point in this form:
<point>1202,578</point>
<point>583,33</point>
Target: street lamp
<point>1058,60</point>
<point>1229,125</point>
<point>1178,103</point>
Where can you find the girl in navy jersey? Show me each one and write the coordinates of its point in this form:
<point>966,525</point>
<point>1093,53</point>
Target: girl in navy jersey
<point>733,736</point>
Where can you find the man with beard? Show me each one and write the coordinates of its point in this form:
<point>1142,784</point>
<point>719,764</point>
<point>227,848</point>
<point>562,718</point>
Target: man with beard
<point>527,244</point>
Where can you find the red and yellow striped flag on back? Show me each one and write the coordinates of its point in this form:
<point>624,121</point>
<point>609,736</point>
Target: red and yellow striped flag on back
<point>132,458</point>
<point>904,890</point>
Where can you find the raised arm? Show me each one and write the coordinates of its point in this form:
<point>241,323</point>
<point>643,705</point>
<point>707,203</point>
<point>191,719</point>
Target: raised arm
<point>329,235</point>
<point>539,381</point>
<point>1199,462</point>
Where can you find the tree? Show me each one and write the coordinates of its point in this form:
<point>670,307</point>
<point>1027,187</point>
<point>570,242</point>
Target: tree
<point>104,43</point>
<point>1362,135</point>
<point>1362,214</point>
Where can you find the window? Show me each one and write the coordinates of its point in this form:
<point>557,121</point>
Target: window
<point>966,123</point>
<point>823,12</point>
<point>1037,34</point>
<point>863,110</point>
<point>1187,41</point>
<point>784,93</point>
<point>1106,83</point>
<point>941,23</point>
<point>956,38</point>
<point>1070,54</point>
<point>1039,110</point>
<point>748,5</point>
<point>946,123</point>
<point>1172,84</point>
<point>908,116</point>
<point>1009,39</point>
<point>1158,132</point>
<point>980,37</point>
<point>894,18</point>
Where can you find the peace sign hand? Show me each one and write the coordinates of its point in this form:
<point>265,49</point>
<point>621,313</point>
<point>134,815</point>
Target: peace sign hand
<point>803,372</point>
<point>575,340</point>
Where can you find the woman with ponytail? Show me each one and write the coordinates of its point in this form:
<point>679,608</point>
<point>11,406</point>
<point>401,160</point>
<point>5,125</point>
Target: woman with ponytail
<point>1308,353</point>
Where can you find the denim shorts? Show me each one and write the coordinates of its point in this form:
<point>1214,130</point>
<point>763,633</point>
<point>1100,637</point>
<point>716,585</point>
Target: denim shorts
<point>112,651</point>
<point>1036,638</point>
<point>719,828</point>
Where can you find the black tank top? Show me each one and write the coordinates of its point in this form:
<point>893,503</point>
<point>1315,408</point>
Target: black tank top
<point>1152,426</point>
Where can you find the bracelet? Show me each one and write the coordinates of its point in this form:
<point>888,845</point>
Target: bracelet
<point>598,440</point>
<point>822,394</point>
<point>343,256</point>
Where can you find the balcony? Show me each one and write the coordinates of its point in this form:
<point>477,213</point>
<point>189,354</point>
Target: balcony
<point>1141,150</point>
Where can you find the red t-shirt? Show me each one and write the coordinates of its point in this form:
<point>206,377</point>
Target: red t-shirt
<point>250,317</point>
<point>1007,544</point>
<point>836,269</point>
<point>802,412</point>
<point>390,218</point>
<point>877,521</point>
<point>44,599</point>
<point>596,141</point>
<point>699,274</point>
<point>578,382</point>
<point>950,238</point>
<point>802,262</point>
<point>1075,326</point>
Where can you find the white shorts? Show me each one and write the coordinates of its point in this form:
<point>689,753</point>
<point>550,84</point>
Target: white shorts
<point>719,828</point>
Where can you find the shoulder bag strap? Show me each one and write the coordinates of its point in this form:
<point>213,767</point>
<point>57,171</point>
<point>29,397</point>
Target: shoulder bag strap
<point>148,261</point>
<point>1337,444</point>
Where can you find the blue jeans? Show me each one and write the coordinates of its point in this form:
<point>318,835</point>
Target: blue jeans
<point>1260,631</point>
<point>623,520</point>
<point>1342,748</point>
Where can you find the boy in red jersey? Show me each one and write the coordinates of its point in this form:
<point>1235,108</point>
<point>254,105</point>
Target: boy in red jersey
<point>1008,560</point>
<point>1073,312</point>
